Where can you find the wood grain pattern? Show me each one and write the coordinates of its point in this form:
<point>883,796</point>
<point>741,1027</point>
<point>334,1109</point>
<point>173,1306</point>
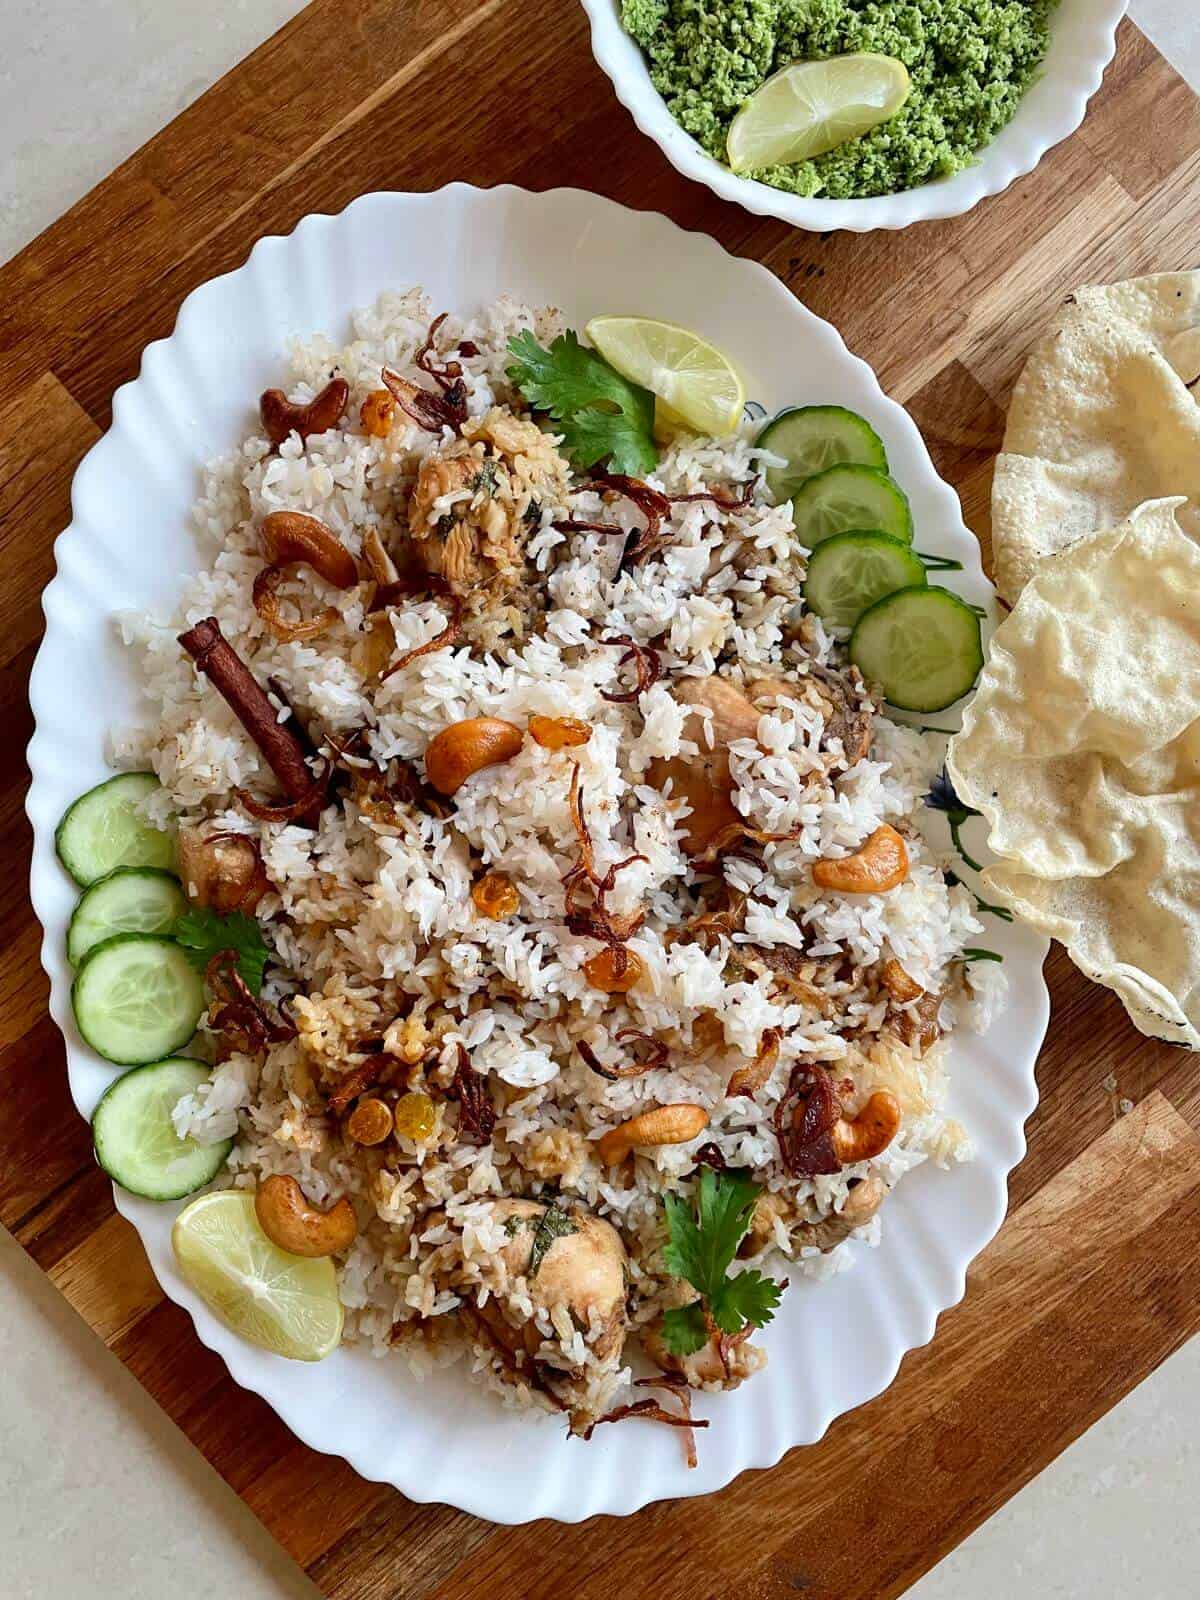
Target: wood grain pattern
<point>1094,1279</point>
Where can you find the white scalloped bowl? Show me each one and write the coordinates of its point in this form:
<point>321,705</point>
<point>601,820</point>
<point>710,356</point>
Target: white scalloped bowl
<point>832,1346</point>
<point>1082,43</point>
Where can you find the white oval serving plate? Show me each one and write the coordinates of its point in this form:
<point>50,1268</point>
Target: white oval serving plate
<point>832,1346</point>
<point>1083,38</point>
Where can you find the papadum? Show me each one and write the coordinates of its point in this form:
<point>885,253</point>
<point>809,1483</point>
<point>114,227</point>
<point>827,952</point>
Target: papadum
<point>1082,750</point>
<point>1101,420</point>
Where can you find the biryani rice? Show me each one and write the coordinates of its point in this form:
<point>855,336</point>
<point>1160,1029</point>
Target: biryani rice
<point>372,920</point>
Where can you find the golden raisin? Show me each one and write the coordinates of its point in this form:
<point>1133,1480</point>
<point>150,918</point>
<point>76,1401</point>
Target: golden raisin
<point>601,971</point>
<point>370,1122</point>
<point>559,733</point>
<point>377,412</point>
<point>415,1116</point>
<point>495,896</point>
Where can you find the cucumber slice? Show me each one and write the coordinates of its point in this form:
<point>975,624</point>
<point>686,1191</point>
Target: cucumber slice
<point>815,438</point>
<point>922,646</point>
<point>129,900</point>
<point>137,998</point>
<point>851,571</point>
<point>841,499</point>
<point>104,830</point>
<point>135,1139</point>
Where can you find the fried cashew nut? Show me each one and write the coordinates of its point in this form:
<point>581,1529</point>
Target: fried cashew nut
<point>675,1124</point>
<point>294,539</point>
<point>881,864</point>
<point>868,1134</point>
<point>466,747</point>
<point>289,1221</point>
<point>281,417</point>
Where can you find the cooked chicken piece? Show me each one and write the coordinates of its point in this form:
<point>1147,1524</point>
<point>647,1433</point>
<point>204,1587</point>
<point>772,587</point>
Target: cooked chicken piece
<point>579,1270</point>
<point>704,1369</point>
<point>863,1201</point>
<point>476,502</point>
<point>705,781</point>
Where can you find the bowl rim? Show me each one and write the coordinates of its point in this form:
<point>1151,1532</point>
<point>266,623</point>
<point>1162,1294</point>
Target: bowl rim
<point>1083,43</point>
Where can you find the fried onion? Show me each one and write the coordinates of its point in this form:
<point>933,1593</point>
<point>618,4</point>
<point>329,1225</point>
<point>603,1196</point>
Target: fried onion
<point>804,1121</point>
<point>657,1057</point>
<point>476,1110</point>
<point>748,1080</point>
<point>648,668</point>
<point>295,809</point>
<point>266,602</point>
<point>241,1020</point>
<point>428,410</point>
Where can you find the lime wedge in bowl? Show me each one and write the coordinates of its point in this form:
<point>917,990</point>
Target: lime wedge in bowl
<point>285,1303</point>
<point>696,383</point>
<point>813,106</point>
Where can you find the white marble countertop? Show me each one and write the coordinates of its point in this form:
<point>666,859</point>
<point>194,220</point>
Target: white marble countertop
<point>99,1492</point>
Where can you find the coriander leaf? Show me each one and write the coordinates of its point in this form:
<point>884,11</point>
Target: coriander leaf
<point>700,1248</point>
<point>600,414</point>
<point>749,1297</point>
<point>554,1223</point>
<point>683,1253</point>
<point>726,1206</point>
<point>203,934</point>
<point>683,1330</point>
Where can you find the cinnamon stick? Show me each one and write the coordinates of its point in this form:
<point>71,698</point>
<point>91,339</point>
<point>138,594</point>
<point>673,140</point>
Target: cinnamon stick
<point>216,658</point>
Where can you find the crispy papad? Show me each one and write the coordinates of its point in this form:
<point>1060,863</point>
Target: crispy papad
<point>1082,750</point>
<point>1101,420</point>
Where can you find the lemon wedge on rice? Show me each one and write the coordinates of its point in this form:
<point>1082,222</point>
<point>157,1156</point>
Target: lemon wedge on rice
<point>694,381</point>
<point>285,1303</point>
<point>813,106</point>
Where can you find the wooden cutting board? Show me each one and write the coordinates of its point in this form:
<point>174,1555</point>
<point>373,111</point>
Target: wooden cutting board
<point>1095,1277</point>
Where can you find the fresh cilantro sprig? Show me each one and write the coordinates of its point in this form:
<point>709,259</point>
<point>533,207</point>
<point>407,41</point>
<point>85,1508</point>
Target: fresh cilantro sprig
<point>600,414</point>
<point>700,1248</point>
<point>203,934</point>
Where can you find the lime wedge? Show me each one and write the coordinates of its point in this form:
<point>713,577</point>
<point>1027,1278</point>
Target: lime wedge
<point>812,106</point>
<point>697,383</point>
<point>288,1304</point>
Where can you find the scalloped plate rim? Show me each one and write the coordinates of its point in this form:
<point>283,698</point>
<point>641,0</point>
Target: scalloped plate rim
<point>264,1375</point>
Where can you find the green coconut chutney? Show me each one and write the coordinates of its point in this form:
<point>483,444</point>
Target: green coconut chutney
<point>970,62</point>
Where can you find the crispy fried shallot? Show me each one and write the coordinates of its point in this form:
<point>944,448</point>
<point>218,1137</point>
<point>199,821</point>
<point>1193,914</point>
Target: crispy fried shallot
<point>709,1155</point>
<point>283,752</point>
<point>720,497</point>
<point>357,1081</point>
<point>748,1080</point>
<point>595,921</point>
<point>648,668</point>
<point>266,603</point>
<point>656,1056</point>
<point>426,583</point>
<point>804,1121</point>
<point>244,1023</point>
<point>735,838</point>
<point>428,410</point>
<point>654,1411</point>
<point>476,1109</point>
<point>653,505</point>
<point>448,374</point>
<point>222,870</point>
<point>304,805</point>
